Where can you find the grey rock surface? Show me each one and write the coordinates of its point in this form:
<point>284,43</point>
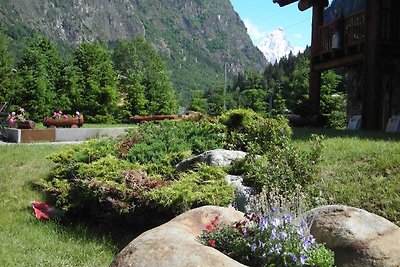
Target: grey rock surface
<point>217,157</point>
<point>174,243</point>
<point>357,237</point>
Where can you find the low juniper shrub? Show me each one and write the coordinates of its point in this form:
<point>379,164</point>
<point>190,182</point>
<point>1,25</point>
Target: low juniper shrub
<point>205,185</point>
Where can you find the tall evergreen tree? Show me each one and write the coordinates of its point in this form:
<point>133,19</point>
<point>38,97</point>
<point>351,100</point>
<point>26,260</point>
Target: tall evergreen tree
<point>145,79</point>
<point>38,73</point>
<point>97,95</point>
<point>6,71</point>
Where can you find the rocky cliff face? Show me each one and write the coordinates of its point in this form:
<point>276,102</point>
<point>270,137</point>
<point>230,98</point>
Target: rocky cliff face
<point>195,37</point>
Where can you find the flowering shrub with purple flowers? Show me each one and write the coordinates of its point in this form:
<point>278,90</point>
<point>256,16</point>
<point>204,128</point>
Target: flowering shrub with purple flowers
<point>271,240</point>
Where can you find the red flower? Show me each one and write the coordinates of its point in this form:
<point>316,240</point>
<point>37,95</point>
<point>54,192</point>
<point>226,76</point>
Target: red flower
<point>209,227</point>
<point>211,243</point>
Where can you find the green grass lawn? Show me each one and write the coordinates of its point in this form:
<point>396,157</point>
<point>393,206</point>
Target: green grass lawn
<point>25,241</point>
<point>360,169</point>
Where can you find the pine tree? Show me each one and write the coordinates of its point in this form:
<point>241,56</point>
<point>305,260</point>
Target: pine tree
<point>38,73</point>
<point>6,71</point>
<point>145,79</point>
<point>97,95</point>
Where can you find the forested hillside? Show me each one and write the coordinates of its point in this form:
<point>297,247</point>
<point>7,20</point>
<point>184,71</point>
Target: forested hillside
<point>196,38</point>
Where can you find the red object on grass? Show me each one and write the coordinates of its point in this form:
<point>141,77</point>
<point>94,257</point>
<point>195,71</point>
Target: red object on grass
<point>42,210</point>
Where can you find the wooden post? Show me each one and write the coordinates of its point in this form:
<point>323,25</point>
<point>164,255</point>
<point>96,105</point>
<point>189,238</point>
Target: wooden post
<point>315,75</point>
<point>372,99</point>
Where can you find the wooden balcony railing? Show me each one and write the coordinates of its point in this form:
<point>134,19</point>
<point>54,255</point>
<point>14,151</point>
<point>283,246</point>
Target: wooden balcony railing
<point>352,32</point>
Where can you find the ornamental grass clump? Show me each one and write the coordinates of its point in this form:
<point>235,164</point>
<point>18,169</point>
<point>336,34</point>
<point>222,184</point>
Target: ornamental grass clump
<point>275,239</point>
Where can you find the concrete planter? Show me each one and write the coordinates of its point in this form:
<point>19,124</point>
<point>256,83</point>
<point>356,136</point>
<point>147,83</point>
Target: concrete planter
<point>60,134</point>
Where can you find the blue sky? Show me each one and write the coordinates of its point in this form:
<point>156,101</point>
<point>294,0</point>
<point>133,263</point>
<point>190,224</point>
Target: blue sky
<point>263,16</point>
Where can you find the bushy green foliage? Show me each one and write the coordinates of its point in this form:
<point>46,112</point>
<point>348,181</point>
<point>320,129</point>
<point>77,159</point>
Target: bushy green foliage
<point>97,96</point>
<point>198,101</point>
<point>156,140</point>
<point>6,64</point>
<point>204,186</point>
<point>38,73</point>
<point>145,79</point>
<point>106,178</point>
<point>285,168</point>
<point>249,131</point>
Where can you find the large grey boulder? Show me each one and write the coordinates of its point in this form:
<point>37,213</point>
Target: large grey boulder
<point>217,157</point>
<point>174,243</point>
<point>357,237</point>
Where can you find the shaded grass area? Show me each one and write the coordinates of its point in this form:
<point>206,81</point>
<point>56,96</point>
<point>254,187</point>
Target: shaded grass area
<point>359,169</point>
<point>26,241</point>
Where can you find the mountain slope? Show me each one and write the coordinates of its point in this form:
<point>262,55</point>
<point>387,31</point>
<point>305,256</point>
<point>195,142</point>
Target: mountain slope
<point>195,37</point>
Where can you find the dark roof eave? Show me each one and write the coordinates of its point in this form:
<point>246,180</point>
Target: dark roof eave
<point>282,3</point>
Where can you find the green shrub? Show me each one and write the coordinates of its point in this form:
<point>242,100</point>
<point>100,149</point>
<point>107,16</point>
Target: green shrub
<point>156,141</point>
<point>204,186</point>
<point>100,188</point>
<point>101,178</point>
<point>106,178</point>
<point>336,119</point>
<point>286,168</point>
<point>249,131</point>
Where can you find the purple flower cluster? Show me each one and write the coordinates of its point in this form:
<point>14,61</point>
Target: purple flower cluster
<point>278,238</point>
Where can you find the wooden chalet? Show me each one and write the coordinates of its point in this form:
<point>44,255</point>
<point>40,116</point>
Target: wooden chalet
<point>369,44</point>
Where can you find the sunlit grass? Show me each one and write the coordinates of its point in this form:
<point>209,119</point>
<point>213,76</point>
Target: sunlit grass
<point>26,241</point>
<point>359,169</point>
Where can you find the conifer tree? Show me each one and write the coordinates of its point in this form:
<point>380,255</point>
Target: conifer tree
<point>6,71</point>
<point>38,73</point>
<point>145,79</point>
<point>97,95</point>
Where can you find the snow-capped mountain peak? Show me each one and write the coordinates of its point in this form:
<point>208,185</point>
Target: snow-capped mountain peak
<point>275,46</point>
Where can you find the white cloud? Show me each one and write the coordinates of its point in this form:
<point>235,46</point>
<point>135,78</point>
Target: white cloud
<point>255,33</point>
